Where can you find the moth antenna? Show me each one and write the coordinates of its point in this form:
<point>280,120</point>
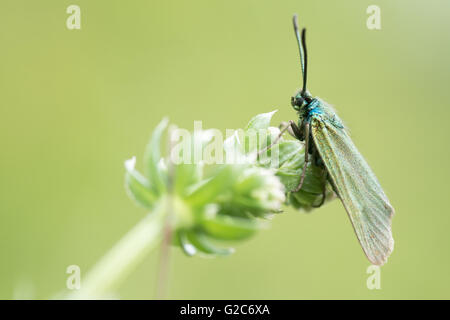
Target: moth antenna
<point>305,53</point>
<point>301,41</point>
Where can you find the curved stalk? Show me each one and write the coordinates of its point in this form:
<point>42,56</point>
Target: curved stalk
<point>122,259</point>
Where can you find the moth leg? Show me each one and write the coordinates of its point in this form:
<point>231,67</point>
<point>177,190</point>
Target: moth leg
<point>285,124</point>
<point>324,193</point>
<point>297,132</point>
<point>302,177</point>
<point>282,131</point>
<point>293,130</point>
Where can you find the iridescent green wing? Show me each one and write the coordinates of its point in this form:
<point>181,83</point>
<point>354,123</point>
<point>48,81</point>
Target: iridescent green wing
<point>357,187</point>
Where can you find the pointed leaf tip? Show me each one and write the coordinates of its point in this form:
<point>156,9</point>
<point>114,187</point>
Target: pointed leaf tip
<point>130,163</point>
<point>260,121</point>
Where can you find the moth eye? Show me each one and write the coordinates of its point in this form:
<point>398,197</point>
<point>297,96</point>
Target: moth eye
<point>293,101</point>
<point>299,101</point>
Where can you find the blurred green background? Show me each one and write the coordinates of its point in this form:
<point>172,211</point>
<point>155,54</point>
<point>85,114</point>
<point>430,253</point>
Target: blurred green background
<point>76,103</point>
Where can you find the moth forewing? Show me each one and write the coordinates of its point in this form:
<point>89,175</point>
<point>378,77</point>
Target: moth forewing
<point>356,185</point>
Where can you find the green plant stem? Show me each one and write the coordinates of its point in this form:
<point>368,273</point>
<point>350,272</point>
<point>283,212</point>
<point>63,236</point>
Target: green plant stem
<point>163,272</point>
<point>120,261</point>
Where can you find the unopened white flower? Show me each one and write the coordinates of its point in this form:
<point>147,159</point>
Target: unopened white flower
<point>269,192</point>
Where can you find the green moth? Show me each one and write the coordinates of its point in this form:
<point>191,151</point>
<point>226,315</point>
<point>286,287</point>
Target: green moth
<point>328,146</point>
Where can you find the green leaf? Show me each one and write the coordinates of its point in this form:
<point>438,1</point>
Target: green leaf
<point>211,189</point>
<point>205,245</point>
<point>185,176</point>
<point>190,173</point>
<point>257,133</point>
<point>248,205</point>
<point>188,248</point>
<point>152,158</point>
<point>291,201</point>
<point>260,121</point>
<point>229,228</point>
<point>234,147</point>
<point>138,187</point>
<point>289,174</point>
<point>304,198</point>
<point>289,149</point>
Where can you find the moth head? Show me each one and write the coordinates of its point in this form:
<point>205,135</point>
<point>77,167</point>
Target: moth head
<point>300,100</point>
